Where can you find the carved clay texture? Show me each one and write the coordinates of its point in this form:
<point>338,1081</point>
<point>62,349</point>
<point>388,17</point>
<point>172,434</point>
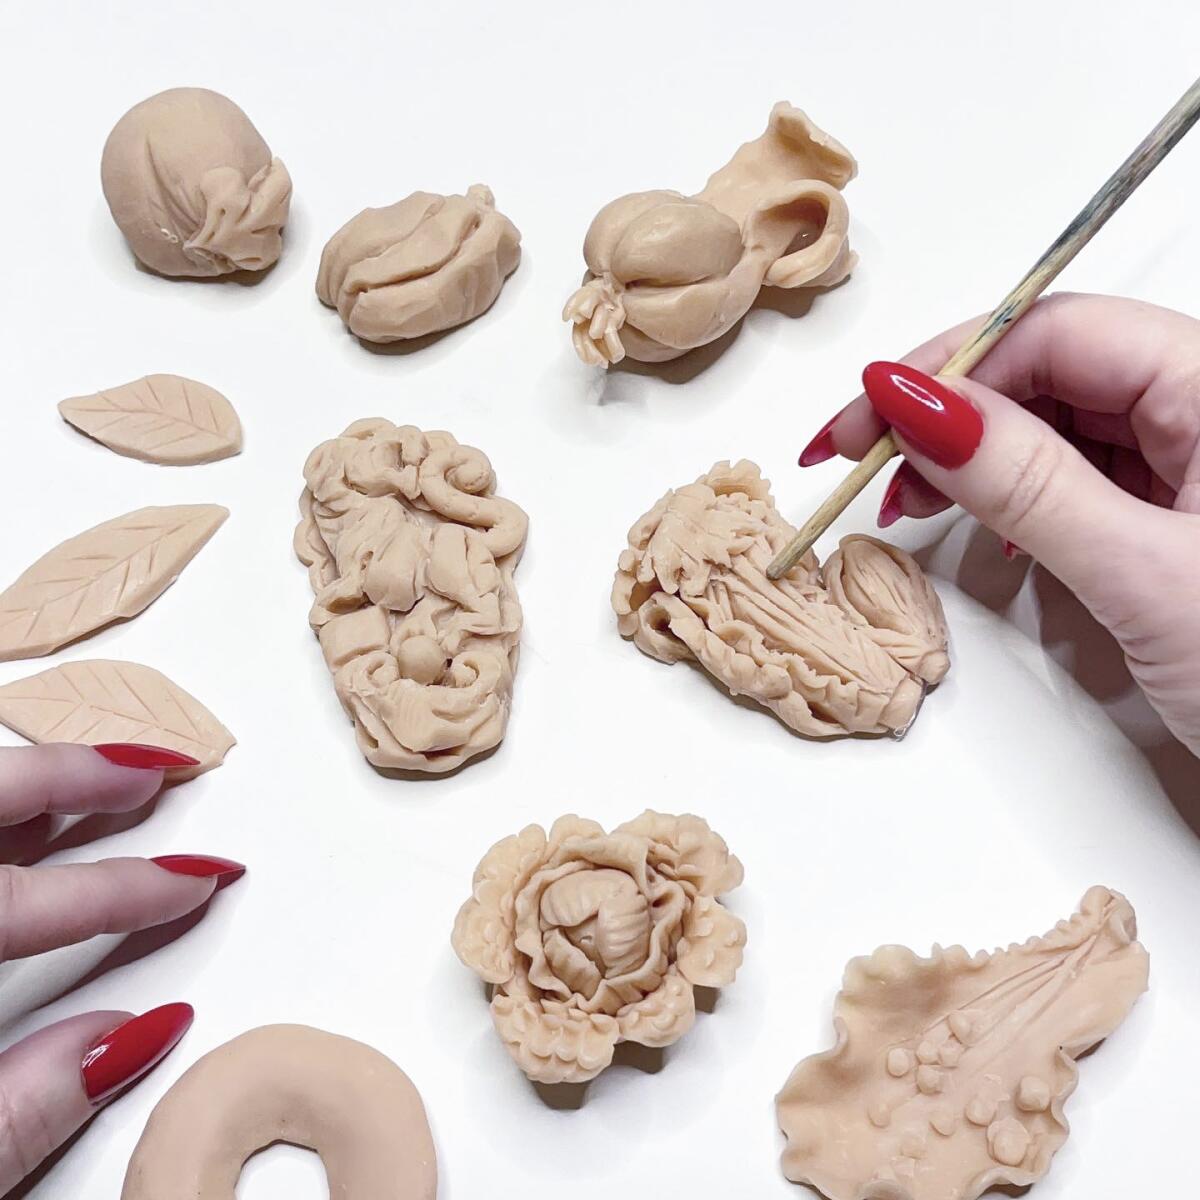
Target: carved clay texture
<point>411,557</point>
<point>99,700</point>
<point>950,1073</point>
<point>108,573</point>
<point>591,938</point>
<point>668,272</point>
<point>159,419</point>
<point>849,649</point>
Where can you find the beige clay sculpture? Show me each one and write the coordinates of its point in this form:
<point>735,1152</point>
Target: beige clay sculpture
<point>411,557</point>
<point>848,648</point>
<point>287,1083</point>
<point>950,1073</point>
<point>667,273</point>
<point>160,419</point>
<point>417,267</point>
<point>591,938</point>
<point>193,186</point>
<point>105,574</point>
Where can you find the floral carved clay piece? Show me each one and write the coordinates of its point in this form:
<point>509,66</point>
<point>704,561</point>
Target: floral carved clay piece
<point>667,272</point>
<point>422,265</point>
<point>950,1073</point>
<point>848,648</point>
<point>193,186</point>
<point>411,557</point>
<point>591,938</point>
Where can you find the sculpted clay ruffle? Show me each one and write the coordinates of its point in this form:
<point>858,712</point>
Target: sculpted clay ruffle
<point>591,938</point>
<point>844,649</point>
<point>411,558</point>
<point>193,186</point>
<point>668,272</point>
<point>422,265</point>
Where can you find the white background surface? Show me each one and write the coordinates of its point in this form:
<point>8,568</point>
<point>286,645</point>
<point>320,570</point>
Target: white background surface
<point>1031,774</point>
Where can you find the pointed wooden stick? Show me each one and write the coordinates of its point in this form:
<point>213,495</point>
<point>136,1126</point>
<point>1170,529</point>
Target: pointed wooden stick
<point>1153,149</point>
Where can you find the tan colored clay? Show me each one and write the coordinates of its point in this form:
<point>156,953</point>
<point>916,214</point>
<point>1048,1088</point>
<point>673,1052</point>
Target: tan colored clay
<point>425,264</point>
<point>287,1083</point>
<point>950,1073</point>
<point>193,186</point>
<point>160,419</point>
<point>591,938</point>
<point>411,557</point>
<point>668,272</point>
<point>847,649</point>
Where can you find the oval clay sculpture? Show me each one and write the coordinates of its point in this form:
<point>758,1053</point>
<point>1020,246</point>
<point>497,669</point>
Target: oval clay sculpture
<point>950,1073</point>
<point>193,186</point>
<point>591,938</point>
<point>845,649</point>
<point>417,267</point>
<point>287,1083</point>
<point>411,557</point>
<point>667,272</point>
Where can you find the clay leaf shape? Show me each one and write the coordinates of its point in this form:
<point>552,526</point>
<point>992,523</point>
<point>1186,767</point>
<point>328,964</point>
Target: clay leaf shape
<point>101,700</point>
<point>950,1073</point>
<point>160,419</point>
<point>108,573</point>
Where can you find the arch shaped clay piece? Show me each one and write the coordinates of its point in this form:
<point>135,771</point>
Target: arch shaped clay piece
<point>667,272</point>
<point>287,1083</point>
<point>411,556</point>
<point>193,186</point>
<point>845,649</point>
<point>417,267</point>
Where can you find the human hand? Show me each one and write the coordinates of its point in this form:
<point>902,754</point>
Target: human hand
<point>56,1079</point>
<point>1103,490</point>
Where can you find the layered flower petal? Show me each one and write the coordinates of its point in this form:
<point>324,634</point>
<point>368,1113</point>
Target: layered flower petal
<point>559,1045</point>
<point>710,952</point>
<point>663,1017</point>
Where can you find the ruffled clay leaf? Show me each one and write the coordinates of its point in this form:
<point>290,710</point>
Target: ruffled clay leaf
<point>159,419</point>
<point>562,1046</point>
<point>713,940</point>
<point>100,700</point>
<point>663,1017</point>
<point>950,1072</point>
<point>107,573</point>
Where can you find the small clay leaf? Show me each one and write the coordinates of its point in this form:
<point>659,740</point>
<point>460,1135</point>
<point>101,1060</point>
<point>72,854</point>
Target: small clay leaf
<point>100,700</point>
<point>159,419</point>
<point>104,574</point>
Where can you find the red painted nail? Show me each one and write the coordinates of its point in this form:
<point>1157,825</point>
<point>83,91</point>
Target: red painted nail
<point>202,866</point>
<point>821,448</point>
<point>938,422</point>
<point>149,758</point>
<point>1011,550</point>
<point>131,1049</point>
<point>890,511</point>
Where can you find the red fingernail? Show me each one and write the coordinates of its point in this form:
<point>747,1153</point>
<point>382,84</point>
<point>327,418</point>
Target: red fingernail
<point>1011,550</point>
<point>131,1049</point>
<point>202,866</point>
<point>821,448</point>
<point>134,754</point>
<point>939,422</point>
<point>890,511</point>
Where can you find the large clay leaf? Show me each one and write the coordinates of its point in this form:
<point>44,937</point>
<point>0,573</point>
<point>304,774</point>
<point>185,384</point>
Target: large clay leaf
<point>102,575</point>
<point>98,700</point>
<point>159,419</point>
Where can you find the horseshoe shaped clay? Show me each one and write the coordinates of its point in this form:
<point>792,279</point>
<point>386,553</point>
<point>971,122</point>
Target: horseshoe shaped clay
<point>287,1083</point>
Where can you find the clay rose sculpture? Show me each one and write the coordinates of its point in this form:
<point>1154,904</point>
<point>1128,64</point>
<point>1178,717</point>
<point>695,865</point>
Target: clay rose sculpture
<point>950,1073</point>
<point>425,264</point>
<point>668,272</point>
<point>846,649</point>
<point>591,938</point>
<point>193,186</point>
<point>411,557</point>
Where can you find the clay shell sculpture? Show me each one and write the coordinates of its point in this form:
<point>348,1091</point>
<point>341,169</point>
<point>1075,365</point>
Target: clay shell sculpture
<point>411,558</point>
<point>591,938</point>
<point>193,186</point>
<point>667,272</point>
<point>848,648</point>
<point>287,1083</point>
<point>950,1073</point>
<point>417,267</point>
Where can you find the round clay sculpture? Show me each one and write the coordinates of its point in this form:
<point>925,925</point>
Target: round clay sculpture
<point>287,1083</point>
<point>193,186</point>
